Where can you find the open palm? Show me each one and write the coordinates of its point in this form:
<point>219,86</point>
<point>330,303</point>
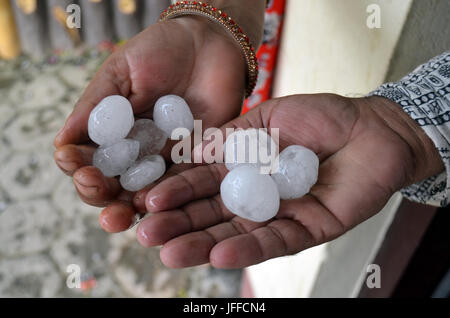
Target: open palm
<point>363,162</point>
<point>181,56</point>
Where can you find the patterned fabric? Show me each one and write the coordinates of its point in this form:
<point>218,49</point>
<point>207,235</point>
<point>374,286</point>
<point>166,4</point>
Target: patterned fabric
<point>267,53</point>
<point>425,96</point>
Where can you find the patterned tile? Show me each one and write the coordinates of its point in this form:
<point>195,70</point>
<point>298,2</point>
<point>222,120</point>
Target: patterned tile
<point>7,113</point>
<point>30,276</point>
<point>66,200</point>
<point>27,227</point>
<point>41,92</point>
<point>29,175</point>
<point>44,226</point>
<point>34,129</point>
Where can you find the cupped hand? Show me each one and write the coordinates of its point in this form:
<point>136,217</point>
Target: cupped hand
<point>190,57</point>
<point>368,149</point>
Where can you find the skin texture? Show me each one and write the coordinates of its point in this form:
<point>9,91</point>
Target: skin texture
<point>367,148</point>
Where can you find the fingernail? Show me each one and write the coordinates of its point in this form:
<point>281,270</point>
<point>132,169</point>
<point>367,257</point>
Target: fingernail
<point>152,201</point>
<point>142,234</point>
<point>58,134</point>
<point>88,191</point>
<point>67,165</point>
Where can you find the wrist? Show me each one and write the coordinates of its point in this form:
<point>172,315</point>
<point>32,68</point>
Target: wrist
<point>248,14</point>
<point>220,19</point>
<point>425,158</point>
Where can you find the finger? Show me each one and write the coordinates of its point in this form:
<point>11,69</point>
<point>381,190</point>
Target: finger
<point>278,238</point>
<point>194,248</point>
<point>117,217</point>
<point>70,158</point>
<point>186,186</point>
<point>94,188</point>
<point>315,218</point>
<point>162,227</point>
<point>300,224</point>
<point>139,198</point>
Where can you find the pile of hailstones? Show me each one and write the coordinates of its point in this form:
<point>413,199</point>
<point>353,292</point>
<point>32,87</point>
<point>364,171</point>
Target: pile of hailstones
<point>247,191</point>
<point>130,149</point>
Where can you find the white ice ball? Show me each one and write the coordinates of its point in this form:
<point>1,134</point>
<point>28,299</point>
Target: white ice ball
<point>249,194</point>
<point>172,112</point>
<point>115,159</point>
<point>298,169</point>
<point>143,173</point>
<point>252,147</point>
<point>111,120</point>
<point>150,137</point>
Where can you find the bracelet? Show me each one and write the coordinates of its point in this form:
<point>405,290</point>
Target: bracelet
<point>203,9</point>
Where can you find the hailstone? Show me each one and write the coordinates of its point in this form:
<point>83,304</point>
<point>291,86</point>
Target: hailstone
<point>171,112</point>
<point>151,138</point>
<point>298,169</point>
<point>114,160</point>
<point>249,194</point>
<point>252,147</point>
<point>111,120</point>
<point>143,173</point>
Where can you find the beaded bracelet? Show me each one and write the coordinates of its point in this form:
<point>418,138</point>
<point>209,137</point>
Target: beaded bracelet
<point>203,9</point>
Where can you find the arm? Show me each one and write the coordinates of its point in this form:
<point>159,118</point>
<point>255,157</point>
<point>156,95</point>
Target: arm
<point>188,56</point>
<point>249,14</point>
<point>424,96</point>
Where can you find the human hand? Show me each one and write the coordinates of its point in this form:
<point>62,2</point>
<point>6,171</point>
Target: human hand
<point>190,57</point>
<point>368,149</point>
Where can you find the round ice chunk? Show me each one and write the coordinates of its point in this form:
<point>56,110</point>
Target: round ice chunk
<point>150,137</point>
<point>298,169</point>
<point>115,159</point>
<point>252,147</point>
<point>172,112</point>
<point>111,120</point>
<point>249,194</point>
<point>143,173</point>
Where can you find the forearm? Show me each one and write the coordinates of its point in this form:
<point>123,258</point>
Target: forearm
<point>423,95</point>
<point>425,156</point>
<point>249,14</point>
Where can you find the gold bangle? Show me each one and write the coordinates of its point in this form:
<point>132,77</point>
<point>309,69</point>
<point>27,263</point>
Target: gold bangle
<point>203,9</point>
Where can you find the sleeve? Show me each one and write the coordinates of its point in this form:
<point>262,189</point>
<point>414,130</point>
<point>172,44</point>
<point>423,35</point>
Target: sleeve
<point>425,96</point>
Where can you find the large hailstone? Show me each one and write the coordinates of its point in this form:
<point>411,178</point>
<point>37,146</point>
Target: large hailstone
<point>298,169</point>
<point>114,160</point>
<point>111,120</point>
<point>172,112</point>
<point>249,194</point>
<point>251,147</point>
<point>150,137</point>
<point>143,173</point>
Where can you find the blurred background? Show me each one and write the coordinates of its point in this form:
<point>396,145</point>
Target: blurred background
<point>310,46</point>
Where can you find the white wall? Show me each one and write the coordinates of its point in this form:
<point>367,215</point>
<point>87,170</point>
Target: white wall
<point>327,47</point>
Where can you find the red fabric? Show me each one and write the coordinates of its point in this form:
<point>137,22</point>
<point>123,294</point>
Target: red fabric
<point>267,54</point>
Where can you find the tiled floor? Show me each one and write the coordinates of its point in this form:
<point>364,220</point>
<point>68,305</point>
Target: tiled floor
<point>44,227</point>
